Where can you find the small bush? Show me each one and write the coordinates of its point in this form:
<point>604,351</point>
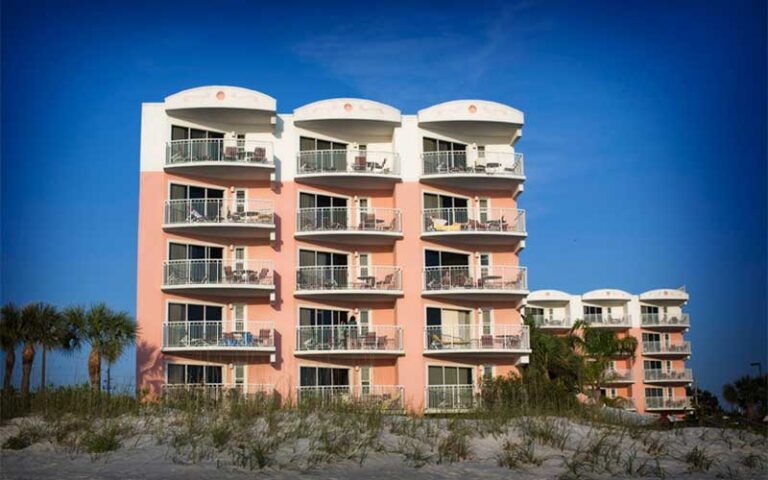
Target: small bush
<point>17,442</point>
<point>754,461</point>
<point>698,460</point>
<point>107,439</point>
<point>514,455</point>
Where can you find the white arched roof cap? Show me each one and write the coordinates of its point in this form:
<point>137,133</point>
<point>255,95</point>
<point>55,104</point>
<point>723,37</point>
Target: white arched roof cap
<point>217,96</point>
<point>607,294</point>
<point>471,111</point>
<point>665,294</point>
<point>548,296</point>
<point>347,109</point>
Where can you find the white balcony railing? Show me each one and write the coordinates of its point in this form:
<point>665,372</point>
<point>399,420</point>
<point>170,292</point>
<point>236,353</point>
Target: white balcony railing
<point>451,397</point>
<point>499,220</point>
<point>218,272</point>
<point>217,391</point>
<point>470,337</point>
<point>351,161</point>
<point>675,375</point>
<point>671,348</point>
<point>208,334</point>
<point>198,150</point>
<point>603,320</point>
<point>219,211</point>
<point>348,338</point>
<point>617,376</point>
<point>664,320</point>
<point>552,322</point>
<point>387,397</point>
<point>345,219</point>
<point>665,403</point>
<point>462,162</point>
<point>496,277</point>
<point>383,278</point>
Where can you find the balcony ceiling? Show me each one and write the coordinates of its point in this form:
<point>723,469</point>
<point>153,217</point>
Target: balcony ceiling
<point>671,295</point>
<point>222,104</point>
<point>353,116</point>
<point>473,117</point>
<point>544,296</point>
<point>607,295</point>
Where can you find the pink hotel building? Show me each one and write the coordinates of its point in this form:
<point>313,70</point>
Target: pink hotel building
<point>344,250</point>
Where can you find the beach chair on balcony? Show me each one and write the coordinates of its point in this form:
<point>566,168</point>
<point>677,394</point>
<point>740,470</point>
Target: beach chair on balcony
<point>228,339</point>
<point>382,167</point>
<point>486,341</point>
<point>265,337</point>
<point>230,154</point>
<point>381,342</point>
<point>264,277</point>
<point>368,222</point>
<point>193,216</point>
<point>259,154</point>
<point>360,164</point>
<point>229,275</point>
<point>369,343</point>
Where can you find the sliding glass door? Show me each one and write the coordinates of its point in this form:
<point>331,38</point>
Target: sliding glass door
<point>322,270</point>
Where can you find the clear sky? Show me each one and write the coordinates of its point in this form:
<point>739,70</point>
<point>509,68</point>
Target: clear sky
<point>645,136</point>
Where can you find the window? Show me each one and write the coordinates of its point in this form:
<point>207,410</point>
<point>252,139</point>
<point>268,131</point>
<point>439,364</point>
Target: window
<point>445,209</point>
<point>448,328</point>
<point>648,309</point>
<point>322,317</point>
<point>240,201</point>
<point>186,133</point>
<point>652,392</point>
<point>485,264</point>
<point>326,212</point>
<point>534,312</point>
<point>365,321</point>
<point>445,375</point>
<point>483,207</point>
<point>365,380</point>
<point>323,377</point>
<point>192,203</point>
<point>308,143</point>
<point>240,259</point>
<point>184,312</point>
<point>331,271</point>
<point>488,373</point>
<point>180,374</point>
<point>182,251</point>
<point>238,315</point>
<point>652,364</point>
<point>238,375</point>
<point>487,314</point>
<point>364,263</point>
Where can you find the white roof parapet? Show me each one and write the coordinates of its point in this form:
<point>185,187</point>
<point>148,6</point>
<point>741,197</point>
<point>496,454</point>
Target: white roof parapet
<point>347,109</point>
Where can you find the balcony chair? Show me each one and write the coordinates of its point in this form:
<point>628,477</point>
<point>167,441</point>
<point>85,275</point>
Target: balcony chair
<point>382,167</point>
<point>265,337</point>
<point>486,341</point>
<point>360,164</point>
<point>381,343</point>
<point>370,341</point>
<point>228,339</point>
<point>388,282</point>
<point>368,222</point>
<point>259,154</point>
<point>230,154</point>
<point>229,275</point>
<point>264,277</point>
<point>248,339</point>
<point>193,216</point>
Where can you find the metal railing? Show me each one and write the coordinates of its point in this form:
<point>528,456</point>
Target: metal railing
<point>617,376</point>
<point>664,320</point>
<point>462,162</point>
<point>452,397</point>
<point>219,211</point>
<point>349,219</point>
<point>216,391</point>
<point>667,403</point>
<point>603,320</point>
<point>349,338</point>
<point>552,322</point>
<point>662,347</point>
<point>660,375</point>
<point>349,160</point>
<point>386,397</point>
<point>446,220</point>
<point>218,272</point>
<point>496,277</point>
<point>210,334</point>
<point>471,337</point>
<point>345,277</point>
<point>252,152</point>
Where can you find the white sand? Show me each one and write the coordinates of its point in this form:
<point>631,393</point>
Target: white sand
<point>617,453</point>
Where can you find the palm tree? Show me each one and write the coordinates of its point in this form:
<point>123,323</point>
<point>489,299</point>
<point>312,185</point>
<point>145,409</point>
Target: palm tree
<point>35,321</point>
<point>106,331</point>
<point>749,394</point>
<point>10,339</point>
<point>600,347</point>
<point>58,333</point>
<point>552,358</point>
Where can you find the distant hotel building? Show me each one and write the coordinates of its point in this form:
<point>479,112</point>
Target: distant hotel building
<point>343,250</point>
<point>655,380</point>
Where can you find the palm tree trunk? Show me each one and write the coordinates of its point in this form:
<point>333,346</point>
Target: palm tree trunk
<point>27,357</point>
<point>94,369</point>
<point>10,362</point>
<point>42,370</point>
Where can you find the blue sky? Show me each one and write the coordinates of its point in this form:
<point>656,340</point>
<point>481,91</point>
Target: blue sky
<point>645,140</point>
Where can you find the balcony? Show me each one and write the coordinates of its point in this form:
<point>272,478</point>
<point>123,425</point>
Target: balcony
<point>349,168</point>
<point>663,403</point>
<point>384,397</point>
<point>482,170</point>
<point>349,341</point>
<point>492,226</point>
<point>667,322</point>
<point>230,278</point>
<point>452,340</point>
<point>217,391</point>
<point>451,398</point>
<point>207,336</point>
<point>371,226</point>
<point>599,320</point>
<point>221,158</point>
<point>661,349</point>
<point>552,323</point>
<point>498,282</point>
<point>378,282</point>
<point>675,376</point>
<point>618,377</point>
<point>231,217</point>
